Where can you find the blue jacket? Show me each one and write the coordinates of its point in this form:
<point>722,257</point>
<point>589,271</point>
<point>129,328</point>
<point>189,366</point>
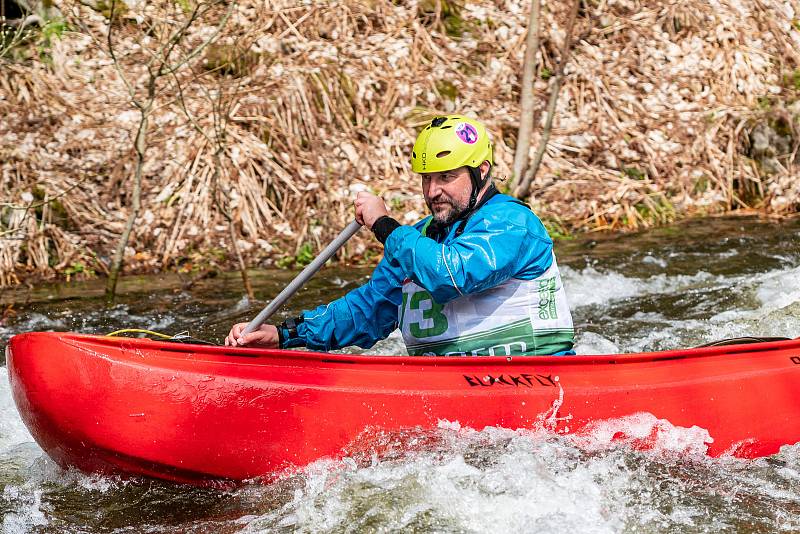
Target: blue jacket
<point>503,239</point>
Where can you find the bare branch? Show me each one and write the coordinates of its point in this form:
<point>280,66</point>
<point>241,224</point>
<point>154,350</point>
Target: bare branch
<point>182,104</point>
<point>39,204</point>
<point>526,94</point>
<point>524,187</point>
<point>208,41</point>
<point>117,65</point>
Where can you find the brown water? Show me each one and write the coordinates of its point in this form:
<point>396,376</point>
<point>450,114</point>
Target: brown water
<point>674,287</point>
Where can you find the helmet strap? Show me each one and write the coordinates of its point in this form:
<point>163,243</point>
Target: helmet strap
<point>478,183</point>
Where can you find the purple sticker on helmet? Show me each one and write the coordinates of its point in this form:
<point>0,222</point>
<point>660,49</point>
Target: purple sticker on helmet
<point>467,133</point>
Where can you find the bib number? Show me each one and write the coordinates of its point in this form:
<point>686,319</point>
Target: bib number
<point>433,323</point>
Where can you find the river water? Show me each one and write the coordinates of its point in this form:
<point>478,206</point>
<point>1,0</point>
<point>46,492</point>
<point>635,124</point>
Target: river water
<point>673,287</point>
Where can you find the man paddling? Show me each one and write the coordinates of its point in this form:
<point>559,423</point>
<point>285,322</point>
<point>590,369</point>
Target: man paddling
<point>477,277</point>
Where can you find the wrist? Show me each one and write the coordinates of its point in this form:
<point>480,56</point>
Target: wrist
<point>288,336</point>
<point>282,333</point>
<point>383,227</point>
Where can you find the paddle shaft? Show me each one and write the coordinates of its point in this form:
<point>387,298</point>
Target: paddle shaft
<point>310,270</point>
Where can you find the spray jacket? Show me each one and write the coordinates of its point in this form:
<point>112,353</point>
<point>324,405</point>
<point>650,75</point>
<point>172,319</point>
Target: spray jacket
<point>485,286</point>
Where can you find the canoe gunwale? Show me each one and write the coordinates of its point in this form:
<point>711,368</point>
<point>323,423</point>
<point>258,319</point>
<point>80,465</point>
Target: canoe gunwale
<point>247,355</point>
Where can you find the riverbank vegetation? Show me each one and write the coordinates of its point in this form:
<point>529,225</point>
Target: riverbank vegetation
<point>250,126</point>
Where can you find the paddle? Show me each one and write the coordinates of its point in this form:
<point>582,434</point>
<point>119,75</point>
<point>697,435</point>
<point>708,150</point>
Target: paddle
<point>310,270</point>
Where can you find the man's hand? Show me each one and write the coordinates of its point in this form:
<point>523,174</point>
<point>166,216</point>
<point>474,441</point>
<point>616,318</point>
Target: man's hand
<point>369,209</point>
<point>266,337</point>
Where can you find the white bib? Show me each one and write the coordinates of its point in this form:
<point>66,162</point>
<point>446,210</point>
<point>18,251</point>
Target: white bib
<point>518,317</point>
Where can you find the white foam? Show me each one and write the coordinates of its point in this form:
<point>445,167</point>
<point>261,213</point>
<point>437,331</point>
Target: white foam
<point>522,485</point>
<point>392,345</point>
<point>774,309</point>
<point>592,343</point>
<point>651,260</point>
<point>644,431</point>
<point>766,304</point>
<point>33,322</point>
<point>496,480</point>
<point>774,290</point>
<point>27,513</point>
<point>87,322</point>
<point>12,430</point>
<point>150,322</point>
<point>590,286</point>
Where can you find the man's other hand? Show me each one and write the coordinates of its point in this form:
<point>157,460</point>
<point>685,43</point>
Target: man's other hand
<point>265,337</point>
<point>369,208</point>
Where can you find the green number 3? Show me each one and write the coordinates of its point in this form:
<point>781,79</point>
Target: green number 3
<point>434,314</point>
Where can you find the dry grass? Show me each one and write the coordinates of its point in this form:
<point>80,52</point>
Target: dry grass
<point>654,122</point>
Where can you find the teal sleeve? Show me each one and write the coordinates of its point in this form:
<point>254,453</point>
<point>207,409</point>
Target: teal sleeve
<point>362,317</point>
<point>500,242</point>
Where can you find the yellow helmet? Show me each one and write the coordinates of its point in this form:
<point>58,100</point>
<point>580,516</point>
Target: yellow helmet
<point>451,142</point>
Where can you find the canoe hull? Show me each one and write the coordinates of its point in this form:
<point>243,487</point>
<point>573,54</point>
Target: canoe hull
<point>199,414</point>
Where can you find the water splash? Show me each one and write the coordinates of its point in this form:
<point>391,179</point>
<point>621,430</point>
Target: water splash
<point>12,430</point>
<point>591,286</point>
<point>511,481</point>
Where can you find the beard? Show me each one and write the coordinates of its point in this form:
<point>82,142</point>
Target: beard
<point>445,210</point>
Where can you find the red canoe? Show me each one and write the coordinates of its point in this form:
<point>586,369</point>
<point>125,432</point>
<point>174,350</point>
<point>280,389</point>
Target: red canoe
<point>200,414</point>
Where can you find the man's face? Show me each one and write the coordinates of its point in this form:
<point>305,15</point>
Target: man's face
<point>447,193</point>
